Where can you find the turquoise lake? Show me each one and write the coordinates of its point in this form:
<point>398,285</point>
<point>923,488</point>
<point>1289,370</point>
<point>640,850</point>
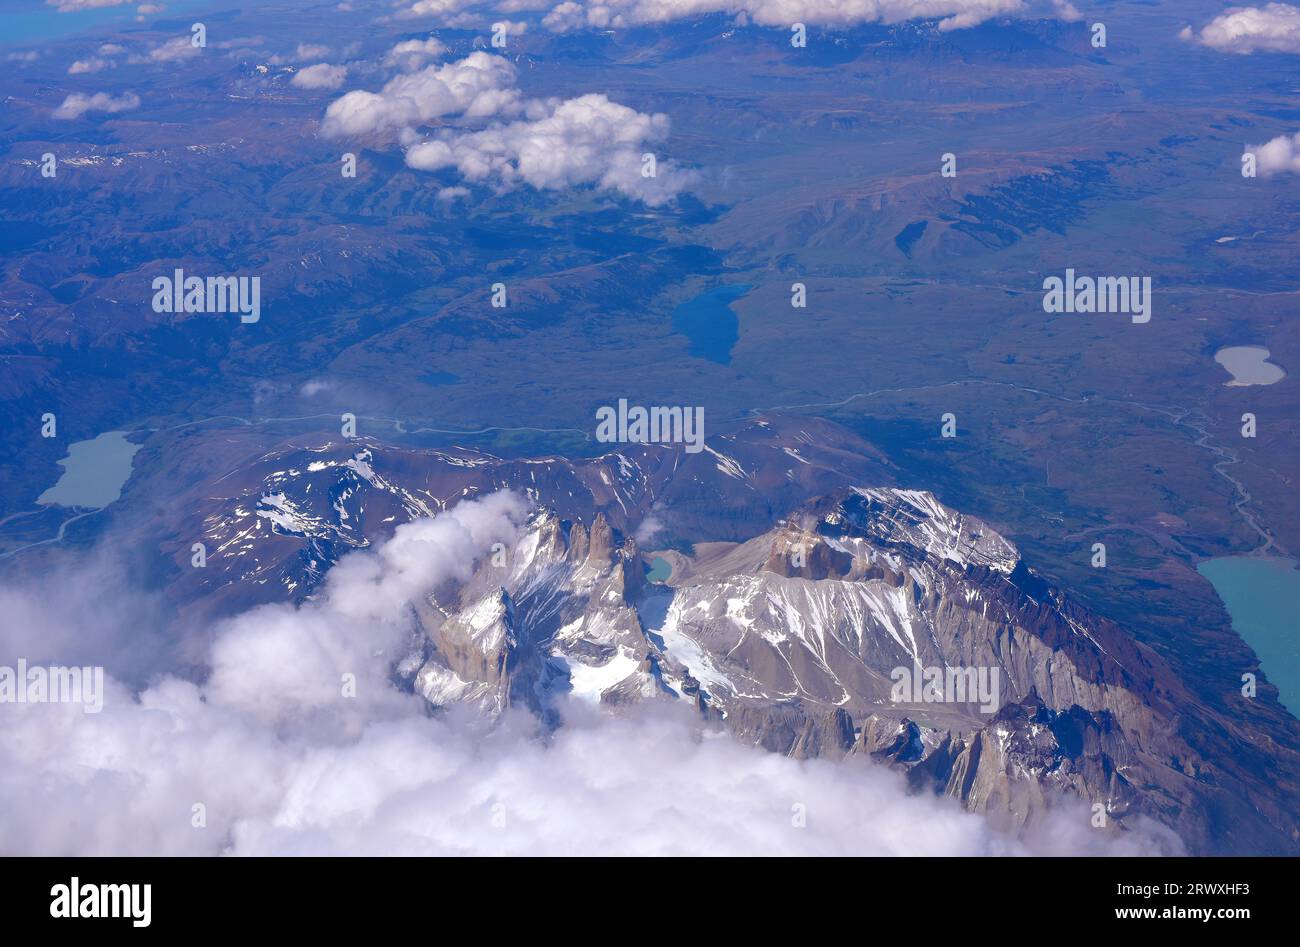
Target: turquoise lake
<point>660,570</point>
<point>1262,596</point>
<point>93,472</point>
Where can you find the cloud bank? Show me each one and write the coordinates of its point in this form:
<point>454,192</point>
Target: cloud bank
<point>269,757</point>
<point>952,14</point>
<point>1243,30</point>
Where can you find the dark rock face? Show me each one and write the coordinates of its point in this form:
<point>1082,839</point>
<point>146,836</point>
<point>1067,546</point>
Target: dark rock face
<point>791,730</point>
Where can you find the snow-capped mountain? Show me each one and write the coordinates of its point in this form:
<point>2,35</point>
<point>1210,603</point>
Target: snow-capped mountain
<point>869,619</point>
<point>792,639</point>
<point>288,514</point>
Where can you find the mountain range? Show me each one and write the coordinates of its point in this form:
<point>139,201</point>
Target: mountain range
<point>794,638</point>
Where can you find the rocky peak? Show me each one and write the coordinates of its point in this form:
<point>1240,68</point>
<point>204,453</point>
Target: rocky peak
<point>579,543</point>
<point>912,523</point>
<point>601,542</point>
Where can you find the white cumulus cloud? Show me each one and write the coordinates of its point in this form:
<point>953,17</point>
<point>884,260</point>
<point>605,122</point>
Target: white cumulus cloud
<point>320,76</point>
<point>587,140</point>
<point>1274,27</point>
<point>546,144</point>
<point>173,50</point>
<point>449,12</point>
<point>1279,155</point>
<point>93,64</point>
<point>410,55</point>
<point>478,86</point>
<point>97,62</point>
<point>314,386</point>
<point>77,104</point>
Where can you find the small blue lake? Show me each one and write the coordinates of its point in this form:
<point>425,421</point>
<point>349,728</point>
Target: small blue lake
<point>661,570</point>
<point>709,323</point>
